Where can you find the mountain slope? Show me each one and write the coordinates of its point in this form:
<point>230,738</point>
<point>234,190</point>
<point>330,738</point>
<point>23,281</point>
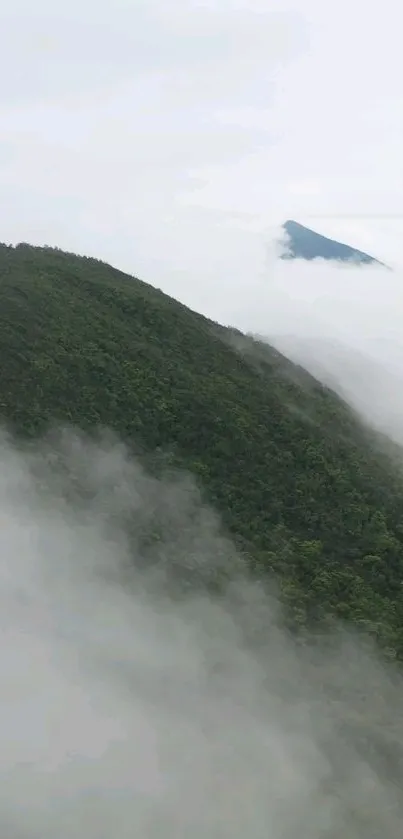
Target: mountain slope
<point>285,462</point>
<point>304,243</point>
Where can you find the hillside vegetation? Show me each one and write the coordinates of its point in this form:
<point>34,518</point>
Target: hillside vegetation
<point>295,478</point>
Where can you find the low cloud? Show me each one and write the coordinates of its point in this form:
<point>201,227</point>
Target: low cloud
<point>133,706</point>
<point>341,322</point>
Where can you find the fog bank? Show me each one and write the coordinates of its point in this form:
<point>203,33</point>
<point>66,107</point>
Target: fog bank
<point>125,710</point>
<point>342,322</point>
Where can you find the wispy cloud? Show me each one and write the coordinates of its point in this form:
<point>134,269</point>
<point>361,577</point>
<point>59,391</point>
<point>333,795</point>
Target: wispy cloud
<point>125,711</point>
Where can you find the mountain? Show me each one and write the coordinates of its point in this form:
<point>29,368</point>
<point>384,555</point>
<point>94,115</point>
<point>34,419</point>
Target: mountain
<point>303,243</point>
<point>302,488</point>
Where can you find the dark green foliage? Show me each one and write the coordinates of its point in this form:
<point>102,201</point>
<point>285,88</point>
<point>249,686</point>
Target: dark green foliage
<point>295,477</point>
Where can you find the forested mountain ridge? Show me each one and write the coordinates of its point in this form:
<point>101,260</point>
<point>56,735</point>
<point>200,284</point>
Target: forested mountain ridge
<point>294,476</point>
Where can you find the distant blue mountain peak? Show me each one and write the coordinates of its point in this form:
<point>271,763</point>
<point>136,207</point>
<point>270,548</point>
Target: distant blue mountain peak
<point>304,243</point>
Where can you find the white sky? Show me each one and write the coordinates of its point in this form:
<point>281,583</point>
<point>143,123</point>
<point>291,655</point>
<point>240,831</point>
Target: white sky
<point>169,136</point>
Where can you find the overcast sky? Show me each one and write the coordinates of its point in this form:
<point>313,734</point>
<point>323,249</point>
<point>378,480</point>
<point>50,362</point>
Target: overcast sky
<point>169,136</point>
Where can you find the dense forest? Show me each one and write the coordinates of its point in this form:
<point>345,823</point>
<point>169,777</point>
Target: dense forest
<point>303,489</point>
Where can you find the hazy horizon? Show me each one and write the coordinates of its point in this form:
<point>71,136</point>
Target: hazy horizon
<point>174,136</point>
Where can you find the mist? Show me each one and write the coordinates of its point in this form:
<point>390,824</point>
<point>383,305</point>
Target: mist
<point>344,325</point>
<point>131,705</point>
<point>341,322</point>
